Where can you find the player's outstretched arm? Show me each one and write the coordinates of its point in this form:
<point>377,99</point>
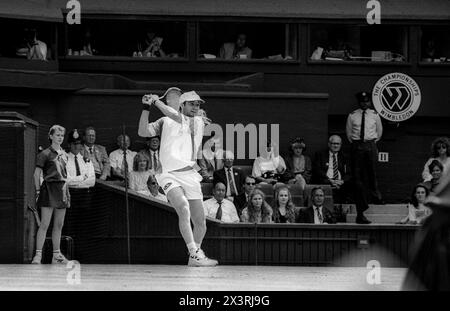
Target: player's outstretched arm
<point>147,129</point>
<point>167,110</point>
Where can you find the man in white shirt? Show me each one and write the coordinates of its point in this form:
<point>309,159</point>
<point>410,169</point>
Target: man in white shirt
<point>220,208</point>
<point>80,171</point>
<point>364,130</point>
<point>181,137</point>
<point>116,158</point>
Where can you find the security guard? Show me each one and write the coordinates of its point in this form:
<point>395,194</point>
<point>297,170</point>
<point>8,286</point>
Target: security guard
<point>364,129</point>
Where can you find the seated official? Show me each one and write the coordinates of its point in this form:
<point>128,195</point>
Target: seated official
<point>332,167</point>
<point>417,211</point>
<point>140,174</point>
<point>220,208</point>
<point>440,151</point>
<point>257,210</point>
<point>97,154</point>
<point>80,171</point>
<point>317,213</point>
<point>269,166</point>
<point>283,207</point>
<point>116,158</point>
<point>153,188</point>
<point>211,159</point>
<point>241,200</point>
<point>230,176</point>
<point>436,168</point>
<point>298,165</point>
<point>152,153</point>
<point>237,50</point>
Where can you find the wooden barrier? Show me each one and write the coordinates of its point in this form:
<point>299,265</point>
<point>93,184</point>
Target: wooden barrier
<point>155,238</point>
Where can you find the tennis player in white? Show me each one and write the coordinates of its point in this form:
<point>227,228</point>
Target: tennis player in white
<point>181,135</point>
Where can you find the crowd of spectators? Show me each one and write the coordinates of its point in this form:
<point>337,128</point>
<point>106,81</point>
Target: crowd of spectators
<point>239,196</point>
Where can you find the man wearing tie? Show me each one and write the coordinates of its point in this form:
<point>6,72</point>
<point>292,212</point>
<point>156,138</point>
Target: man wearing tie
<point>332,167</point>
<point>232,177</point>
<point>153,153</point>
<point>363,130</point>
<point>97,154</point>
<point>117,160</point>
<point>317,213</point>
<point>80,178</point>
<point>220,208</point>
<point>211,160</point>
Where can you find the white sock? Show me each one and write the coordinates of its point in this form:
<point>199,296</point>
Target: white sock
<point>198,245</point>
<point>192,247</point>
<point>39,252</point>
<point>56,252</point>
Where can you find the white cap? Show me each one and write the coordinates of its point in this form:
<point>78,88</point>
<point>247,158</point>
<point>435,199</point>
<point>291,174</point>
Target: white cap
<point>173,88</point>
<point>189,97</point>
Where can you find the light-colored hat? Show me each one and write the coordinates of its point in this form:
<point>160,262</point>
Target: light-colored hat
<point>173,88</point>
<point>190,97</point>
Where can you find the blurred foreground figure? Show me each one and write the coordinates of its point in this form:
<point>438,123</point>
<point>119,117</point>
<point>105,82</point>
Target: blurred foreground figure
<point>430,265</point>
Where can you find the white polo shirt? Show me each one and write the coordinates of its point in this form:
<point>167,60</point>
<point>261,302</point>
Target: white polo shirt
<point>176,147</point>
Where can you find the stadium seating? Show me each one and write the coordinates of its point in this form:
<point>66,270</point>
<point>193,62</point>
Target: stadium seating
<point>207,190</point>
<point>247,169</point>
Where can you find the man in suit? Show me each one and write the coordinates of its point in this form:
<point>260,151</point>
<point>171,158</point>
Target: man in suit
<point>332,167</point>
<point>211,159</point>
<point>317,213</point>
<point>153,152</point>
<point>232,178</point>
<point>241,200</point>
<point>97,154</point>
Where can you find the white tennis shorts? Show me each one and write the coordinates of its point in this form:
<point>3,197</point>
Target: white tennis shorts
<point>189,181</point>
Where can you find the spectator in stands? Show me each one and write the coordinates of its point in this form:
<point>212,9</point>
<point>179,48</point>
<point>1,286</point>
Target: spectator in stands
<point>153,153</point>
<point>440,151</point>
<point>87,43</point>
<point>317,213</point>
<point>116,158</point>
<point>436,168</point>
<point>80,171</point>
<point>53,196</point>
<point>97,154</point>
<point>257,210</point>
<point>241,200</point>
<point>269,166</point>
<point>332,167</point>
<point>298,165</point>
<point>232,177</point>
<point>283,208</point>
<point>237,50</point>
<point>364,129</point>
<point>140,174</point>
<point>211,159</point>
<point>417,211</point>
<point>208,121</point>
<point>219,207</point>
<point>31,47</point>
<point>151,47</point>
<point>153,188</point>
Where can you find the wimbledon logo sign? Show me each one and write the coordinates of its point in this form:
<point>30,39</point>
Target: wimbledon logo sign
<point>396,97</point>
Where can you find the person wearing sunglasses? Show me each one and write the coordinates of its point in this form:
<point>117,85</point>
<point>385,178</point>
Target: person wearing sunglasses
<point>241,200</point>
<point>440,151</point>
<point>153,188</point>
